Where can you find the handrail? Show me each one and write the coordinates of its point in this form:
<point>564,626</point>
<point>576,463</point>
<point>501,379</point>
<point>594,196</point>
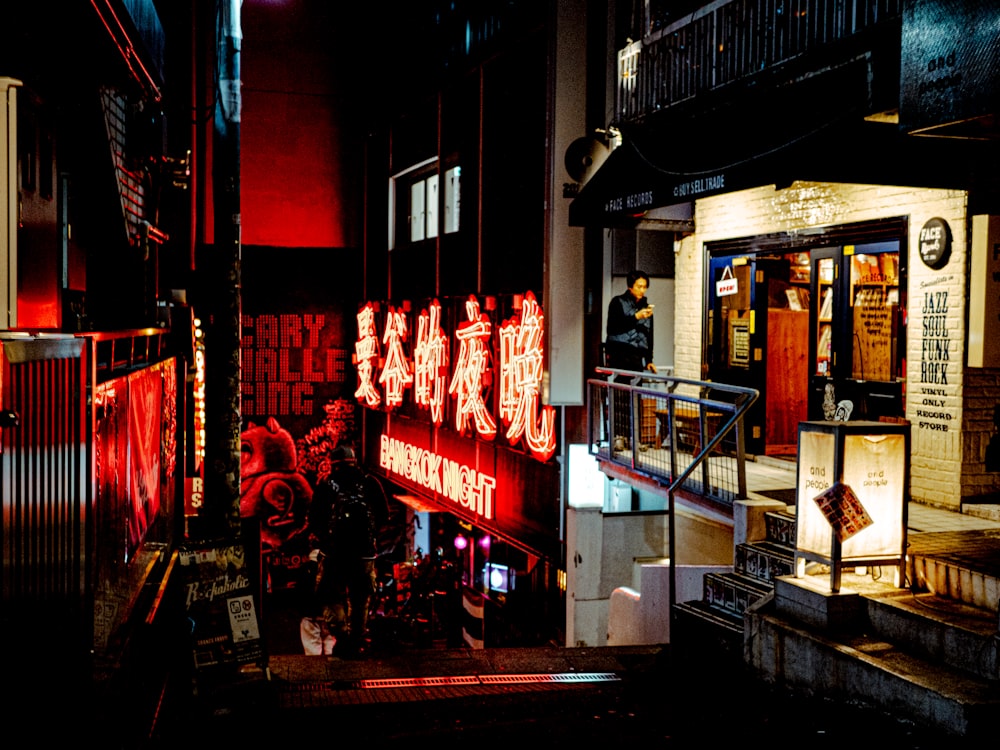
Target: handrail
<point>742,399</point>
<point>116,352</point>
<point>664,387</point>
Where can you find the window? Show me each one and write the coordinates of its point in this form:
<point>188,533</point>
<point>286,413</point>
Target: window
<point>415,203</point>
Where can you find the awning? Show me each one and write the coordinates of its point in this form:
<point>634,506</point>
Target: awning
<point>651,172</point>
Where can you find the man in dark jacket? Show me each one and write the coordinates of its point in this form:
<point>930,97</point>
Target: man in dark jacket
<point>629,344</point>
<point>348,508</point>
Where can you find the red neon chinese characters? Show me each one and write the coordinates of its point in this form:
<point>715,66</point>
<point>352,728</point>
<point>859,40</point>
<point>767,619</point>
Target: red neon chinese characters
<point>470,376</point>
<point>430,363</point>
<point>366,353</point>
<point>521,379</point>
<point>396,375</point>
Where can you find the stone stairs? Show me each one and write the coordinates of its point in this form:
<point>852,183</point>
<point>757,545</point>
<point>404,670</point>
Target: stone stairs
<point>726,596</point>
<point>928,654</point>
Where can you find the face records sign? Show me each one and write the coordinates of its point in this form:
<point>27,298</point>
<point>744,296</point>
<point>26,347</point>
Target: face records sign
<point>935,243</point>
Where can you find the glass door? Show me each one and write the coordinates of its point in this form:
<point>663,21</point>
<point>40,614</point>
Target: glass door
<point>858,324</point>
<point>737,333</point>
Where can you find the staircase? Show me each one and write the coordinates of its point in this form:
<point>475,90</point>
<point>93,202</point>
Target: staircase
<point>716,620</point>
<point>928,654</point>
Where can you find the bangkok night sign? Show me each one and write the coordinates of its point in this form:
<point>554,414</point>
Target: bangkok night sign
<point>432,376</point>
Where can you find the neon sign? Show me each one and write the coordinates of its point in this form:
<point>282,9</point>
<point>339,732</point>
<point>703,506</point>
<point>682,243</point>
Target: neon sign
<point>521,381</point>
<point>396,375</point>
<point>469,379</point>
<point>430,363</point>
<point>471,489</point>
<point>521,360</point>
<point>366,354</point>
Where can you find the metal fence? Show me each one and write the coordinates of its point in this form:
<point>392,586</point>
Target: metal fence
<point>724,42</point>
<point>679,433</point>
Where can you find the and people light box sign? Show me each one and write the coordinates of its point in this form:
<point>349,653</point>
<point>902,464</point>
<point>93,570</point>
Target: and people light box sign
<point>861,461</point>
<point>520,350</point>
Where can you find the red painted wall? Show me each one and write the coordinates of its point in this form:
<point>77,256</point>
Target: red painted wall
<point>301,163</point>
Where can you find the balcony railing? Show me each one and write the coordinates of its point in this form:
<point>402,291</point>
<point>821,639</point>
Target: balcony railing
<point>677,433</point>
<point>725,42</point>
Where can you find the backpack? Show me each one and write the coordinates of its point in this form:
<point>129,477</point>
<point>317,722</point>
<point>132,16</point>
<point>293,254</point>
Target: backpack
<point>353,530</point>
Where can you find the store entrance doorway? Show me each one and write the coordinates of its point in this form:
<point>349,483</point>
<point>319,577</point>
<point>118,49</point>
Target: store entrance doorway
<point>820,331</point>
<point>758,336</point>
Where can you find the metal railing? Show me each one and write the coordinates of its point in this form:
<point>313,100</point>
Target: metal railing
<point>724,42</point>
<point>680,433</point>
<point>691,429</point>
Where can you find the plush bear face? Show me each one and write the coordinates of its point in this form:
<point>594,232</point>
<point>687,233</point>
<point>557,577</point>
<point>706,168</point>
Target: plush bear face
<point>266,448</point>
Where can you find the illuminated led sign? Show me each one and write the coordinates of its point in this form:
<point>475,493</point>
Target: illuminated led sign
<point>521,360</point>
<point>471,489</point>
<point>430,363</point>
<point>469,378</point>
<point>366,356</point>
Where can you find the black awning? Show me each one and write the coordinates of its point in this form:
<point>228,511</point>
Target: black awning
<point>644,174</point>
<point>620,193</point>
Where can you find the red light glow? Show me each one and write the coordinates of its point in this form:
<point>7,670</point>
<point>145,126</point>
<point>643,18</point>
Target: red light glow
<point>521,342</point>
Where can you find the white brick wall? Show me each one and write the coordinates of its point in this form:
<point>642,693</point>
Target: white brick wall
<point>940,454</point>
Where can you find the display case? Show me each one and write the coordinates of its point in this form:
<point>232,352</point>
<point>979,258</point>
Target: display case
<point>852,490</point>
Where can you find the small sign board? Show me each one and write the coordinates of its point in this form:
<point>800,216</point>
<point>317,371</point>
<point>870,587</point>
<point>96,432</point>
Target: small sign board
<point>219,602</point>
<point>727,284</point>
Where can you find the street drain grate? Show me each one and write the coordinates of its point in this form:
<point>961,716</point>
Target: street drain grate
<point>407,682</point>
<point>493,679</point>
<point>497,679</point>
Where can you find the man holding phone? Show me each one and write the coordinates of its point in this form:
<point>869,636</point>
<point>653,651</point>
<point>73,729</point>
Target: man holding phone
<point>629,344</point>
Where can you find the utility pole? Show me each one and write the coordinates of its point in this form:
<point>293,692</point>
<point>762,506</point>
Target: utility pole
<point>223,333</point>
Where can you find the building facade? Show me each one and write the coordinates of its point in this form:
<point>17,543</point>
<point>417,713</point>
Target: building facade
<point>869,174</point>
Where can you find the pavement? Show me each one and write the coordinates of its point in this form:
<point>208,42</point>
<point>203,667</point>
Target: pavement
<point>618,694</point>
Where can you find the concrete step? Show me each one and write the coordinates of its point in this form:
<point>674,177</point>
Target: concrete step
<point>764,561</point>
<point>938,628</point>
<point>701,614</point>
<point>863,666</point>
<point>780,527</point>
<point>956,579</point>
<point>733,592</point>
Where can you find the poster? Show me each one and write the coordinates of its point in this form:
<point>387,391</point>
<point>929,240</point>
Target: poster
<point>843,510</point>
<point>220,606</point>
<point>145,396</point>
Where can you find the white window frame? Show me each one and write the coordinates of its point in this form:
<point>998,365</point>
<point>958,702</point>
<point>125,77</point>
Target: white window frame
<point>393,200</point>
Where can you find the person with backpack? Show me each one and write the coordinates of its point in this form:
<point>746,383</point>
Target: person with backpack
<point>347,510</point>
